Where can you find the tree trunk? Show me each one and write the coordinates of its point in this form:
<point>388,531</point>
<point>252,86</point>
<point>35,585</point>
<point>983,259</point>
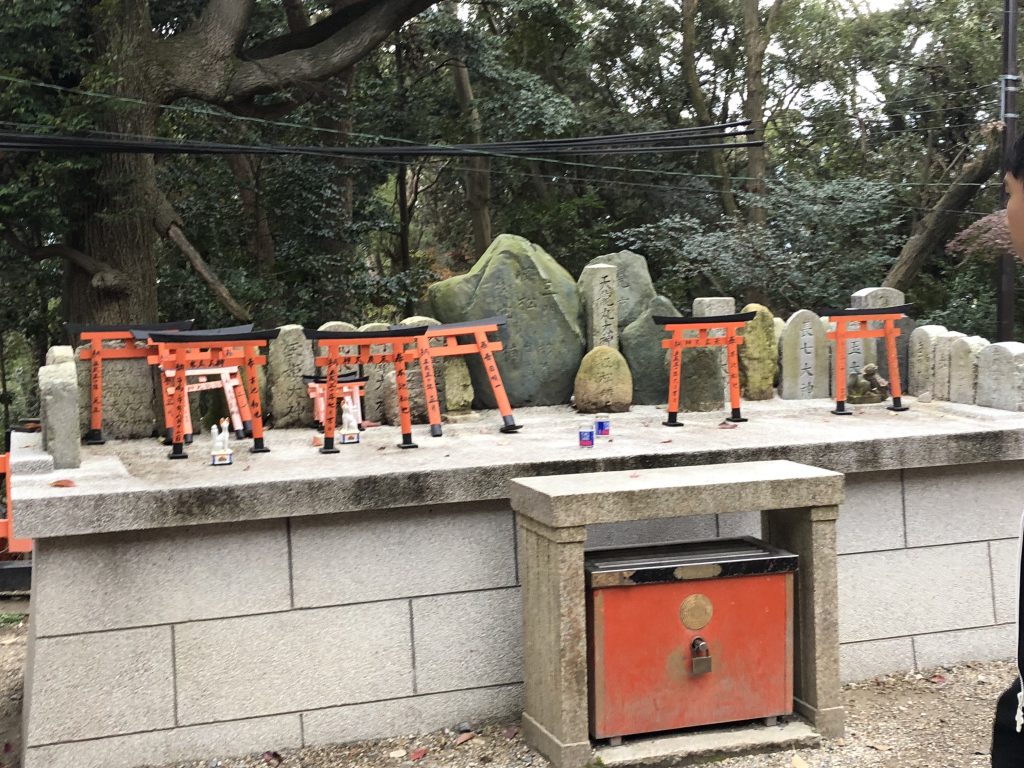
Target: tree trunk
<point>756,37</point>
<point>701,107</point>
<point>478,169</point>
<point>118,224</point>
<point>261,239</point>
<point>942,220</point>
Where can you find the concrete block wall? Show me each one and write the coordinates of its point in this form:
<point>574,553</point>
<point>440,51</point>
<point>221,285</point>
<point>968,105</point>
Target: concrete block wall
<point>164,645</point>
<point>927,567</point>
<point>234,638</point>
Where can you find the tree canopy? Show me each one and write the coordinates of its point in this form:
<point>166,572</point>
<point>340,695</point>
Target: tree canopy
<point>878,150</point>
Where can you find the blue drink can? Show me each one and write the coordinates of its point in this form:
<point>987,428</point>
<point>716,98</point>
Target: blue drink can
<point>603,425</point>
<point>586,435</point>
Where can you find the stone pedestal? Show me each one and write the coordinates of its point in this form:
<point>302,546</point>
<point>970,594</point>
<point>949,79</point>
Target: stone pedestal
<point>799,508</point>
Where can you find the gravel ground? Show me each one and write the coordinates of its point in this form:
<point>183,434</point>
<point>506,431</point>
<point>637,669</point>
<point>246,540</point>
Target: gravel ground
<point>937,719</point>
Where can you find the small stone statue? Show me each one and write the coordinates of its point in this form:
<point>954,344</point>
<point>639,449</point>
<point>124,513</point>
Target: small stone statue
<point>866,387</point>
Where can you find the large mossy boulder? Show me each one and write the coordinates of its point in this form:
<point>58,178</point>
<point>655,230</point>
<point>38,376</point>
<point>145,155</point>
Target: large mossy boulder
<point>758,355</point>
<point>641,346</point>
<point>634,289</point>
<point>543,342</point>
<point>603,383</point>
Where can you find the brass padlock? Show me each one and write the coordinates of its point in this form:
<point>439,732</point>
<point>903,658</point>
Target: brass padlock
<point>701,656</point>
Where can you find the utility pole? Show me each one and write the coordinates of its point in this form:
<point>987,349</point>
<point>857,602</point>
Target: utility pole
<point>1008,84</point>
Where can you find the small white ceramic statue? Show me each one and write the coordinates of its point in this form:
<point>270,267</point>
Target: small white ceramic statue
<point>219,451</point>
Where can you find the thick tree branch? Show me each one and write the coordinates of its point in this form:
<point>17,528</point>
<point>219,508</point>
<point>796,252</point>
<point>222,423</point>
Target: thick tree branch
<point>329,57</point>
<point>104,276</point>
<point>941,221</point>
<point>168,224</point>
<point>222,26</point>
<point>343,13</point>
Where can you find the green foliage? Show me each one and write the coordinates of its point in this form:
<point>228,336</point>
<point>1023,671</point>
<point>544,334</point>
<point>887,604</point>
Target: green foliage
<point>821,242</point>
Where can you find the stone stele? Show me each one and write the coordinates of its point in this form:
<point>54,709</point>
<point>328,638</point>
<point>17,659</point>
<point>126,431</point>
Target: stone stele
<point>759,355</point>
<point>373,402</point>
<point>289,359</point>
<point>804,357</point>
<point>922,359</point>
<point>877,298</point>
<point>458,386</point>
<point>414,377</point>
<point>712,306</point>
<point>131,407</point>
<point>599,302</point>
<point>603,383</point>
<point>641,346</point>
<point>543,343</point>
<point>963,368</point>
<point>1001,376</point>
<point>634,289</point>
<point>941,363</point>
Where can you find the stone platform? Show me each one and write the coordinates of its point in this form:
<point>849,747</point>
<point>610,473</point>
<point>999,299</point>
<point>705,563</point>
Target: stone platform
<point>183,610</point>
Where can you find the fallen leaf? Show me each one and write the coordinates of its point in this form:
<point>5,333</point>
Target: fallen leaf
<point>879,747</point>
<point>397,753</point>
<point>512,731</point>
<point>381,448</point>
<point>63,483</point>
<point>634,474</point>
<point>727,425</point>
<point>666,441</point>
<point>418,754</point>
<point>464,737</point>
<point>799,762</point>
<point>272,758</point>
<point>317,441</point>
<point>937,679</point>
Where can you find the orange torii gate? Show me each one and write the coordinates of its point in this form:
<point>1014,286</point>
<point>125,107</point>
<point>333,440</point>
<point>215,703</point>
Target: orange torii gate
<point>678,326</point>
<point>353,387</point>
<point>178,353</point>
<point>466,338</point>
<point>227,378</point>
<point>7,523</point>
<point>363,341</point>
<point>889,331</point>
<point>96,353</point>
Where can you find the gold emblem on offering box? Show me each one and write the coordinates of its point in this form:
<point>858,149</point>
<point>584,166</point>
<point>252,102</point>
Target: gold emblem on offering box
<point>695,612</point>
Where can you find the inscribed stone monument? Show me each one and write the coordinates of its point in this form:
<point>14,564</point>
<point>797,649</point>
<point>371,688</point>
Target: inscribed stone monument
<point>713,306</point>
<point>543,342</point>
<point>941,363</point>
<point>289,358</point>
<point>877,298</point>
<point>641,346</point>
<point>131,404</point>
<point>603,383</point>
<point>759,355</point>
<point>922,359</point>
<point>373,402</point>
<point>1001,376</point>
<point>804,357</point>
<point>599,302</point>
<point>963,368</point>
<point>414,381</point>
<point>634,288</point>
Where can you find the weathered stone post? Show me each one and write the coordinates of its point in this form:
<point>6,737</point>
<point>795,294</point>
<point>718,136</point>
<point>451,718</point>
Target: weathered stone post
<point>963,368</point>
<point>58,411</point>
